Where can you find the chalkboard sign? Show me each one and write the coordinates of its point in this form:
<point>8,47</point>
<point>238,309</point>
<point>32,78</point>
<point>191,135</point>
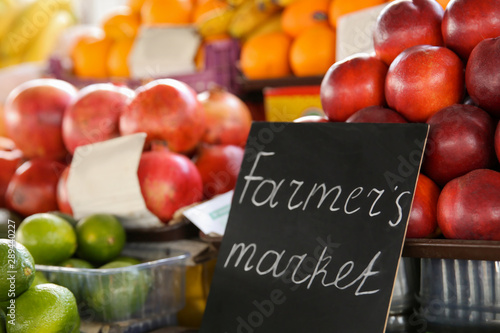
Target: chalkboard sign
<point>316,228</point>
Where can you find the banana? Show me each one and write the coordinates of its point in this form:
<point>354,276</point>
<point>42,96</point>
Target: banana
<point>45,42</point>
<point>273,24</point>
<point>215,22</point>
<point>28,25</point>
<point>8,13</point>
<point>248,16</point>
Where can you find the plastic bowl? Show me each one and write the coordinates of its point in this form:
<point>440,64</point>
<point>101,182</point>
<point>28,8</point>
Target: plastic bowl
<point>138,295</point>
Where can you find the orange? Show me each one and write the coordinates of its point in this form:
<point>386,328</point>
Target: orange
<point>90,56</point>
<point>135,5</point>
<point>121,23</point>
<point>313,51</point>
<point>339,8</point>
<point>167,11</point>
<point>118,58</point>
<point>303,14</point>
<point>266,56</point>
<point>443,3</point>
<point>205,7</point>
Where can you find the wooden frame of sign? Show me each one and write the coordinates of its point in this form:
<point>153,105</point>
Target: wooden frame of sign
<point>316,228</point>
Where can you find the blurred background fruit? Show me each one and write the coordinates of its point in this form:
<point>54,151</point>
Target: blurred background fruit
<point>167,12</point>
<point>303,14</point>
<point>313,51</point>
<point>266,56</point>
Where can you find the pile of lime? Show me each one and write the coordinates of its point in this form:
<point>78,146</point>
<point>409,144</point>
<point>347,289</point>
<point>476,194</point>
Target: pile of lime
<point>27,302</point>
<point>92,245</point>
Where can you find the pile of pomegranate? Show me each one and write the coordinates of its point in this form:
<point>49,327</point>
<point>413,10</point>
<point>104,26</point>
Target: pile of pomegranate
<point>193,151</point>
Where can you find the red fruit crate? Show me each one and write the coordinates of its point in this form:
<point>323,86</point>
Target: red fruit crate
<point>220,69</point>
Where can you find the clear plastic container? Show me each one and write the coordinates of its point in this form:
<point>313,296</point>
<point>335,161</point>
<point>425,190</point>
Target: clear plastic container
<point>143,296</point>
<point>460,295</point>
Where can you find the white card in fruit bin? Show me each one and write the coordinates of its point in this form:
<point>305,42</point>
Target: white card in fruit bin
<point>162,51</point>
<point>211,216</point>
<point>355,32</point>
<point>103,179</point>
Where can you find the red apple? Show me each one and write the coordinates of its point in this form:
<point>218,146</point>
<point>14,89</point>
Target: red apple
<point>62,193</point>
<point>424,79</point>
<point>33,187</point>
<point>227,118</point>
<point>311,119</point>
<point>168,181</point>
<point>219,167</point>
<point>33,117</point>
<point>482,75</point>
<point>460,140</point>
<point>423,215</point>
<point>497,141</point>
<point>468,207</point>
<point>403,24</point>
<point>467,22</point>
<point>94,115</point>
<point>376,114</point>
<point>166,110</point>
<point>10,159</point>
<point>353,84</point>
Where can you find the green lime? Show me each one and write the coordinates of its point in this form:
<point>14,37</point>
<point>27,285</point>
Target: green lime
<point>65,216</point>
<point>119,294</point>
<point>76,263</point>
<point>70,280</point>
<point>49,238</point>
<point>4,305</point>
<point>45,308</point>
<point>101,238</point>
<point>3,322</point>
<point>17,269</point>
<point>129,260</point>
<point>39,279</point>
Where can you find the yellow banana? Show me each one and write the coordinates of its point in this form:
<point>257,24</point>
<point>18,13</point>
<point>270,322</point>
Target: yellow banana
<point>248,16</point>
<point>45,42</point>
<point>8,13</point>
<point>273,24</point>
<point>215,22</point>
<point>28,24</point>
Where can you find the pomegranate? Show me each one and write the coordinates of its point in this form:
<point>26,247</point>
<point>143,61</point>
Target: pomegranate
<point>94,115</point>
<point>33,116</point>
<point>166,110</point>
<point>32,189</point>
<point>62,193</point>
<point>10,159</point>
<point>228,119</point>
<point>168,181</point>
<point>219,166</point>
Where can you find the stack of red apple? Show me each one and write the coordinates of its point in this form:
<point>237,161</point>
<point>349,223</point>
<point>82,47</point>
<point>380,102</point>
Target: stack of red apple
<point>442,68</point>
<point>193,150</point>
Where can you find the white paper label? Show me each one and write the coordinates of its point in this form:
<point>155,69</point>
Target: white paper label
<point>355,32</point>
<point>211,216</point>
<point>161,51</point>
<point>103,179</point>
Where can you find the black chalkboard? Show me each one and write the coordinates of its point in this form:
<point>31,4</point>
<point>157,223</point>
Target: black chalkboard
<point>316,228</point>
